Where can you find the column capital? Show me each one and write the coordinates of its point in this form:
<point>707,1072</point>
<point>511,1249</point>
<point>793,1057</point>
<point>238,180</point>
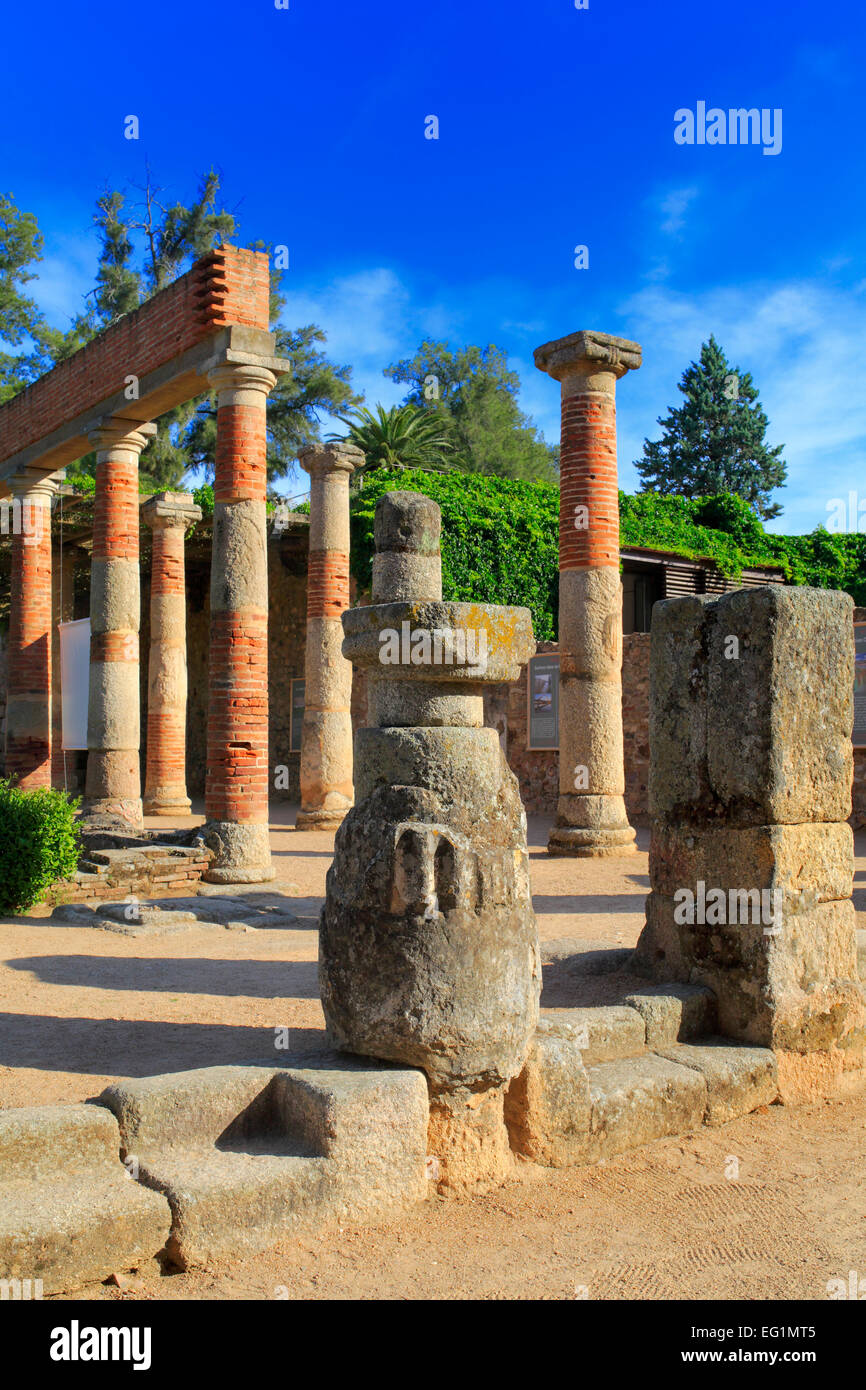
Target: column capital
<point>114,432</point>
<point>590,355</point>
<point>335,457</point>
<point>36,487</point>
<point>242,377</point>
<point>168,510</point>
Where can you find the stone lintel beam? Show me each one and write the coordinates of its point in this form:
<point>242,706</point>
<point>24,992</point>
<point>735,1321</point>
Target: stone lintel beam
<point>159,390</point>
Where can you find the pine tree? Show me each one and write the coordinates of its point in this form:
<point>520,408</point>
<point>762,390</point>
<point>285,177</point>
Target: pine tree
<point>715,442</point>
<point>21,324</point>
<point>173,237</point>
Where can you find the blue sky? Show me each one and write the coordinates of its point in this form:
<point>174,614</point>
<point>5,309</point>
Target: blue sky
<point>556,128</point>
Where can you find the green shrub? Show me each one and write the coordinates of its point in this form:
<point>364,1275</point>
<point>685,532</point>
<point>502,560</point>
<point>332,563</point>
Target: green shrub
<point>38,844</point>
<point>500,538</point>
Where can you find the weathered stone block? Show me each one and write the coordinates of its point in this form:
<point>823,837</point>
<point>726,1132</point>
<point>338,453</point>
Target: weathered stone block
<point>792,986</point>
<point>808,863</point>
<point>673,1012</point>
<point>780,713</point>
<point>752,707</point>
<point>678,780</point>
<point>547,1107</point>
<point>638,1099</point>
<point>69,1211</point>
<point>738,1079</point>
<point>602,1032</point>
<point>247,1155</point>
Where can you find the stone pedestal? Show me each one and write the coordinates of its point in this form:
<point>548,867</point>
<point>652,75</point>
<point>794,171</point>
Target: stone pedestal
<point>751,858</point>
<point>591,819</point>
<point>326,739</point>
<point>28,700</point>
<point>428,945</point>
<point>169,515</point>
<point>113,784</point>
<point>236,795</point>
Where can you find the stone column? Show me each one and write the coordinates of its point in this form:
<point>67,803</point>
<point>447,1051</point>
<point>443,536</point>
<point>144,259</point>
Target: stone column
<point>28,700</point>
<point>113,784</point>
<point>169,515</point>
<point>326,741</point>
<point>591,818</point>
<point>428,949</point>
<point>236,794</point>
<point>64,561</point>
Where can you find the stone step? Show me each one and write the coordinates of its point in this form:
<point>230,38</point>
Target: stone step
<point>247,1155</point>
<point>637,1099</point>
<point>738,1078</point>
<point>69,1211</point>
<point>651,1016</point>
<point>563,1112</point>
<point>601,1034</point>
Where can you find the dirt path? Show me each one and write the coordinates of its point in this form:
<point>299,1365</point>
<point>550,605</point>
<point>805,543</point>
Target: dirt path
<point>81,1007</point>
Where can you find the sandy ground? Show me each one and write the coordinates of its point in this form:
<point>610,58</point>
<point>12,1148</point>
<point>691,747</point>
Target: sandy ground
<point>81,1007</point>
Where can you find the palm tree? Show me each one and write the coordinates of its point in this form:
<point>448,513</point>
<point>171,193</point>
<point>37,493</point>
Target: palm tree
<point>406,436</point>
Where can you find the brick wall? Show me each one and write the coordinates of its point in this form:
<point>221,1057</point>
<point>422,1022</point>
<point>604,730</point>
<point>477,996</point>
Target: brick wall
<point>229,286</point>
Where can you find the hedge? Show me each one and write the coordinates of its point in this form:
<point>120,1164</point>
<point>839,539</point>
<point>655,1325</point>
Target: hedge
<point>500,539</point>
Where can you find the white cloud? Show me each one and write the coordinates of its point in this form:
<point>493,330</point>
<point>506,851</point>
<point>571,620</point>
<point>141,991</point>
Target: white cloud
<point>371,320</point>
<point>674,207</point>
<point>66,274</point>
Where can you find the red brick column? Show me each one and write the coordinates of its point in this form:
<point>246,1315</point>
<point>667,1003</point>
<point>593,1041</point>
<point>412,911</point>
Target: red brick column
<point>591,819</point>
<point>63,770</point>
<point>238,776</point>
<point>169,514</point>
<point>113,784</point>
<point>28,701</point>
<point>327,791</point>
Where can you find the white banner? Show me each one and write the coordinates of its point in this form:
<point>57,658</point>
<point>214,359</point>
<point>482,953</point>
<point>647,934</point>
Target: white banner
<point>75,681</point>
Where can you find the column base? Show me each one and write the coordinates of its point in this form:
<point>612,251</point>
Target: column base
<point>591,827</point>
<point>322,820</point>
<point>167,806</point>
<point>243,852</point>
<point>127,809</point>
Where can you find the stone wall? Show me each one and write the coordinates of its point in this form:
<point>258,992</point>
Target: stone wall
<point>286,637</point>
